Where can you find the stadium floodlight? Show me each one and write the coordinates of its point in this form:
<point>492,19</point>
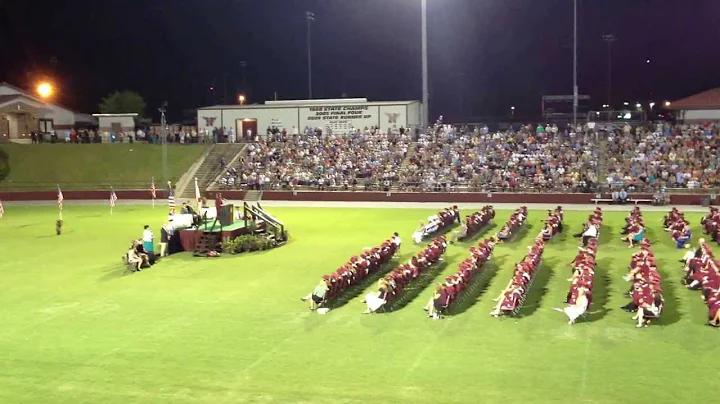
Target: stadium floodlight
<point>45,89</point>
<point>638,105</point>
<point>667,104</point>
<point>652,104</point>
<point>241,99</point>
<point>626,103</point>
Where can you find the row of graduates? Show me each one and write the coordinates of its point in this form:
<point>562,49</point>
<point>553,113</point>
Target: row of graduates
<point>474,223</point>
<point>646,291</point>
<point>446,293</point>
<point>579,295</point>
<point>516,221</point>
<point>513,296</point>
<point>554,223</point>
<point>354,271</point>
<point>711,224</point>
<point>634,231</point>
<point>392,285</point>
<point>678,227</point>
<point>702,272</point>
<point>437,223</point>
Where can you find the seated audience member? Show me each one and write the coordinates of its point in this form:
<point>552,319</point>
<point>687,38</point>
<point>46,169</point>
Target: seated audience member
<point>419,233</point>
<point>145,258</point>
<point>590,233</point>
<point>437,302</point>
<point>317,296</point>
<point>459,234</point>
<point>636,234</point>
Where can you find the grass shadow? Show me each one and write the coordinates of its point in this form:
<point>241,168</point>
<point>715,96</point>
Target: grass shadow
<point>478,286</point>
<point>115,272</point>
<point>356,290</point>
<point>601,291</point>
<point>538,289</point>
<point>414,289</point>
<point>671,311</point>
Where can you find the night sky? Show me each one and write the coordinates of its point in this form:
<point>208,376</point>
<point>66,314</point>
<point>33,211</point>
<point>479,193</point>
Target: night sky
<point>485,55</point>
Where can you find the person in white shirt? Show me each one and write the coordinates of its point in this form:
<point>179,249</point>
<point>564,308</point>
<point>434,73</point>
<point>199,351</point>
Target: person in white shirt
<point>148,239</point>
<point>396,240</point>
<point>590,233</point>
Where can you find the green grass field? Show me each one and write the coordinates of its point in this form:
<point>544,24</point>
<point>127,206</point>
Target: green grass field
<point>75,328</point>
<point>87,166</point>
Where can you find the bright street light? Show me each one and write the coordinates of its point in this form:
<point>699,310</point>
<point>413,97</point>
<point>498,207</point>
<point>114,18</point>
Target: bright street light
<point>44,89</point>
<point>652,104</point>
<point>638,106</point>
<point>241,99</point>
<point>626,103</point>
<point>667,104</point>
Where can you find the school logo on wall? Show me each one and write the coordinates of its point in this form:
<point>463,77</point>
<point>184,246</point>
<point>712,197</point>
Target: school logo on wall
<point>209,120</point>
<point>392,116</point>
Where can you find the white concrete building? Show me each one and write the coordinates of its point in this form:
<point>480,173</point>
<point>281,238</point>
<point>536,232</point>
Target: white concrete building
<point>338,115</point>
<point>697,108</point>
<point>22,113</point>
<point>116,123</point>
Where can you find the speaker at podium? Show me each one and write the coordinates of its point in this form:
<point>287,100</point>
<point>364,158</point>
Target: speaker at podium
<point>225,216</point>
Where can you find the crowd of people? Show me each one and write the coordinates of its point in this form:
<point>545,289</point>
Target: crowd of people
<point>649,156</point>
<point>437,223</point>
<point>393,284</point>
<point>579,296</point>
<point>358,161</point>
<point>702,272</point>
<point>530,158</point>
<point>357,268</point>
<point>646,291</point>
<point>446,293</point>
<point>514,223</point>
<point>513,296</point>
<point>679,228</point>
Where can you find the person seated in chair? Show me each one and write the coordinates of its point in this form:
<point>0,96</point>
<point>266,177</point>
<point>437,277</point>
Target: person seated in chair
<point>188,210</point>
<point>317,296</point>
<point>636,233</point>
<point>133,259</point>
<point>459,234</point>
<point>137,246</point>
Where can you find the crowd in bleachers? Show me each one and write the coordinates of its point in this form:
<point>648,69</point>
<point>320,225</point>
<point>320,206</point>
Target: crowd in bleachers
<point>358,161</point>
<point>474,223</point>
<point>663,154</point>
<point>353,272</point>
<point>702,272</point>
<point>679,228</point>
<point>646,291</point>
<point>447,293</point>
<point>393,284</point>
<point>530,158</point>
<point>516,221</point>
<point>513,296</point>
<point>579,295</point>
<point>437,223</point>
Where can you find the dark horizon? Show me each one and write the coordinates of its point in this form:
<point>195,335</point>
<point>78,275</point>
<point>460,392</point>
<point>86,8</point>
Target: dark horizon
<point>484,56</point>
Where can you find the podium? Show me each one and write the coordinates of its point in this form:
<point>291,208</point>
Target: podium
<point>225,216</point>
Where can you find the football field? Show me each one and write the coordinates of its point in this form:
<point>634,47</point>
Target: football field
<point>76,328</point>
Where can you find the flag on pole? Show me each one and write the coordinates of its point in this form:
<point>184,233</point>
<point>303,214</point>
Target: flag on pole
<point>113,198</point>
<point>2,210</point>
<point>60,198</point>
<point>198,198</point>
<point>152,188</point>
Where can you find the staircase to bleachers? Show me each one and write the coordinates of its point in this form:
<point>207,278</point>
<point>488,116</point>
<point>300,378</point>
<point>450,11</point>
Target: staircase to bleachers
<point>253,196</point>
<point>210,168</point>
<point>602,163</point>
<point>412,150</point>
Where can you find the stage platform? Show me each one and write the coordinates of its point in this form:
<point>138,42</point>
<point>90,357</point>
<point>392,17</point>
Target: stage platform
<point>190,237</point>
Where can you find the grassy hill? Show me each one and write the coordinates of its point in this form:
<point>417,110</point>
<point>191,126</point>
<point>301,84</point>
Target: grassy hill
<point>86,166</point>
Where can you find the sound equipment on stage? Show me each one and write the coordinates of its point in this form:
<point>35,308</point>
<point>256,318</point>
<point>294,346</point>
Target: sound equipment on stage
<point>225,216</point>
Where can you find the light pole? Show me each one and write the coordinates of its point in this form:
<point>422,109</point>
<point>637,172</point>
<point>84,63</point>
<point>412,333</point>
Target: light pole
<point>609,39</point>
<point>575,84</point>
<point>425,94</point>
<point>310,16</point>
<point>163,134</point>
